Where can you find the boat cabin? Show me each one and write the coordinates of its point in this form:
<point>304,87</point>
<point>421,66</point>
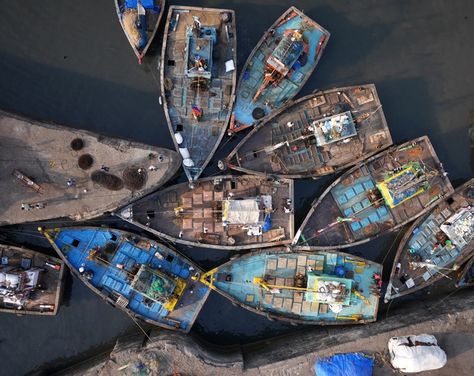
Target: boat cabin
<point>199,44</point>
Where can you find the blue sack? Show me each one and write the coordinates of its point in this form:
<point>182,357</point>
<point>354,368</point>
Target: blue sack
<point>351,364</point>
<point>130,4</point>
<point>148,4</point>
<point>267,224</point>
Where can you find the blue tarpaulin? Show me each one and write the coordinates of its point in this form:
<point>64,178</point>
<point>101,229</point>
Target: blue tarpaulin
<point>130,4</point>
<point>267,224</point>
<point>351,364</point>
<point>147,4</point>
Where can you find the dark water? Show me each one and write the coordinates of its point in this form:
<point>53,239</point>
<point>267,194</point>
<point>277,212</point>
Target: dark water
<point>69,62</point>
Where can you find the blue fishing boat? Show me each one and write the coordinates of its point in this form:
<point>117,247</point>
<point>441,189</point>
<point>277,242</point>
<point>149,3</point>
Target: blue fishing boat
<point>305,287</point>
<point>278,67</point>
<point>379,195</point>
<point>140,20</point>
<point>435,245</point>
<point>146,279</point>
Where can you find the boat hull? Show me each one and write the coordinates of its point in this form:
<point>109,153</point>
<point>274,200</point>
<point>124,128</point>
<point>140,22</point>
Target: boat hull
<point>198,105</point>
<point>360,205</point>
<point>248,109</point>
<point>222,212</point>
<point>152,19</point>
<point>303,138</point>
<point>114,264</point>
<point>48,272</point>
<point>280,299</point>
<point>49,171</point>
<point>429,261</point>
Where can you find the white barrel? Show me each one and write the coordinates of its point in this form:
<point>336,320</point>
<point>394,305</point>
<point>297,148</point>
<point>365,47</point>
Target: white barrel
<point>178,138</point>
<point>184,153</point>
<point>188,162</point>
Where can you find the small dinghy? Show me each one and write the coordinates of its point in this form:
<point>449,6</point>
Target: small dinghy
<point>198,76</point>
<point>223,212</point>
<point>140,20</point>
<point>435,245</point>
<point>319,134</point>
<point>277,68</point>
<point>316,287</point>
<point>381,194</point>
<point>31,283</point>
<point>146,279</point>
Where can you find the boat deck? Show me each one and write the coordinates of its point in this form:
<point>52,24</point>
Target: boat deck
<point>291,143</point>
<point>183,86</point>
<point>38,161</point>
<point>422,258</point>
<point>153,13</point>
<point>353,211</point>
<point>114,269</point>
<point>275,96</point>
<point>280,270</point>
<point>46,293</point>
<point>198,216</point>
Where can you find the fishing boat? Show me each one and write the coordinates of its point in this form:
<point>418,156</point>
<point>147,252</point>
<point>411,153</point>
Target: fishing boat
<point>222,212</point>
<point>317,287</point>
<point>198,76</point>
<point>465,276</point>
<point>382,194</point>
<point>48,171</point>
<point>146,279</point>
<point>277,68</point>
<point>31,283</point>
<point>319,134</point>
<point>435,245</point>
<point>140,20</point>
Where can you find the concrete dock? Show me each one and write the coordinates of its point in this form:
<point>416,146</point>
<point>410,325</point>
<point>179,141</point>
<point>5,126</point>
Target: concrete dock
<point>450,319</point>
<point>48,171</point>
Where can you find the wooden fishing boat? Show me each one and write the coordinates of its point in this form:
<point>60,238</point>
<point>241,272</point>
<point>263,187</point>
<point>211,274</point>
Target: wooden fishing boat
<point>146,279</point>
<point>277,67</point>
<point>140,20</point>
<point>198,76</point>
<point>48,171</point>
<point>436,244</point>
<point>319,287</point>
<point>222,212</point>
<point>465,277</point>
<point>31,283</point>
<point>317,135</point>
<point>382,194</point>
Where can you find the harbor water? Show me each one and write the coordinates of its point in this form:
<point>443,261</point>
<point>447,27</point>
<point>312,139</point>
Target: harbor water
<point>70,63</point>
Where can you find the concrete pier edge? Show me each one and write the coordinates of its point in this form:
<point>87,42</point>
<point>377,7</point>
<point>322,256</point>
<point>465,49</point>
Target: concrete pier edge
<point>294,353</point>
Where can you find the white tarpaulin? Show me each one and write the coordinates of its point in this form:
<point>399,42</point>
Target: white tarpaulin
<point>241,212</point>
<point>416,353</point>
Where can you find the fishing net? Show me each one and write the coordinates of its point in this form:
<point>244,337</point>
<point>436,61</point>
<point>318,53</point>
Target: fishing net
<point>85,161</point>
<point>129,20</point>
<point>135,178</point>
<point>77,144</point>
<point>106,180</point>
